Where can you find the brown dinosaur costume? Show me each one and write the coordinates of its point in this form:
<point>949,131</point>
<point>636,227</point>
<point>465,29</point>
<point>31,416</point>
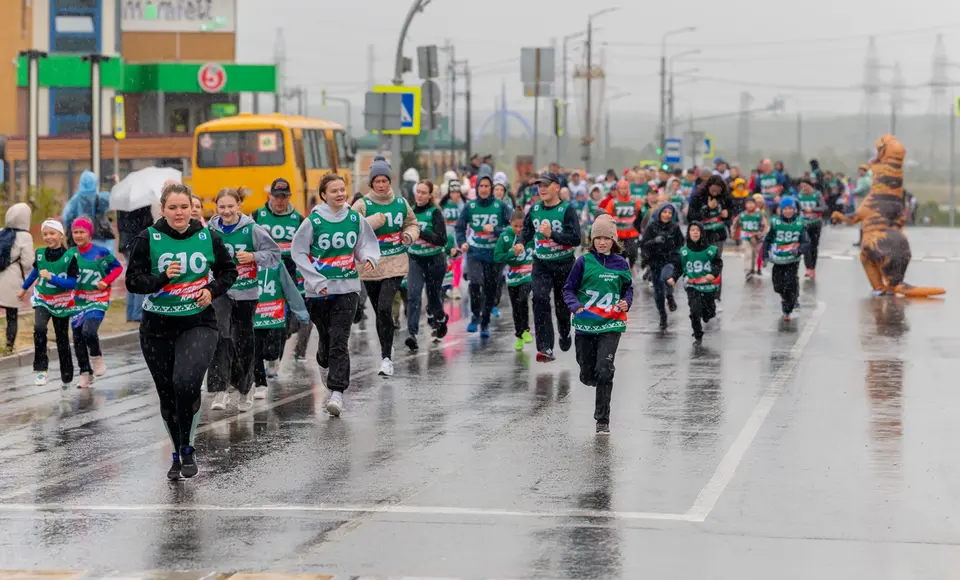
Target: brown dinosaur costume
<point>884,249</point>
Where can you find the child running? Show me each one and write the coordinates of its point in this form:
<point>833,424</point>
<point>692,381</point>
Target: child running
<point>55,271</point>
<point>428,266</point>
<point>701,263</point>
<point>625,211</point>
<point>278,295</point>
<point>452,204</point>
<point>660,247</point>
<point>812,206</point>
<point>97,269</point>
<point>519,268</point>
<point>784,244</point>
<point>331,279</point>
<point>599,292</point>
<point>751,224</point>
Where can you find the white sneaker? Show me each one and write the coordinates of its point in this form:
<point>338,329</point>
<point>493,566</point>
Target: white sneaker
<point>65,387</point>
<point>85,381</point>
<point>99,367</point>
<point>386,368</point>
<point>246,401</point>
<point>273,368</point>
<point>260,393</point>
<point>41,379</point>
<point>719,308</point>
<point>335,404</point>
<point>219,401</point>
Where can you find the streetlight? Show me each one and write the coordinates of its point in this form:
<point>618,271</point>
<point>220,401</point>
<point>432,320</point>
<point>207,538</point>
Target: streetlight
<point>588,138</point>
<point>663,80</point>
<point>673,59</point>
<point>606,128</point>
<point>566,39</point>
<point>781,99</point>
<point>417,6</point>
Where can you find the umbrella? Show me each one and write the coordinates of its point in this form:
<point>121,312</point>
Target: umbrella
<point>141,188</point>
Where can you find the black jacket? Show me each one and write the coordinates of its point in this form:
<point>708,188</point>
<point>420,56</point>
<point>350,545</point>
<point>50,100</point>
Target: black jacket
<point>439,235</point>
<point>141,280</point>
<point>716,264</point>
<point>661,242</point>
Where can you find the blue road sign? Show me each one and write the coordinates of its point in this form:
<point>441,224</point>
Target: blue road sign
<point>672,151</point>
<point>708,147</point>
<point>410,111</point>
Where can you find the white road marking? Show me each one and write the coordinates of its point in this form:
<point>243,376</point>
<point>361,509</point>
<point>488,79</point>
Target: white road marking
<point>344,508</point>
<point>710,494</point>
<point>142,450</point>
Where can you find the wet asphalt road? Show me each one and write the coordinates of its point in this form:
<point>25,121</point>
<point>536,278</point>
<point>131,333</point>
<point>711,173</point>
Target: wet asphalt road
<point>824,448</point>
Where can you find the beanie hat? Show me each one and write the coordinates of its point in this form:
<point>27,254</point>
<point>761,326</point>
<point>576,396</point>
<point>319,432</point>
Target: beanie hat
<point>788,201</point>
<point>379,167</point>
<point>84,224</point>
<point>500,178</point>
<point>604,227</point>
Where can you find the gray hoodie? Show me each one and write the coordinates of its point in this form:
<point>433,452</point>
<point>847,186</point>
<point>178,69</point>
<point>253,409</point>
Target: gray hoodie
<point>367,250</point>
<point>266,252</point>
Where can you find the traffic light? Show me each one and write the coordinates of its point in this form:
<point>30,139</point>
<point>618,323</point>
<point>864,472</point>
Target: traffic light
<point>665,167</point>
<point>659,151</point>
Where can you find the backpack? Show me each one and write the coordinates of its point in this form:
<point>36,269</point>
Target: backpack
<point>102,228</point>
<point>7,237</point>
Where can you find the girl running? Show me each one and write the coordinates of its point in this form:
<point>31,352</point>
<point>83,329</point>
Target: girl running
<point>196,209</point>
<point>428,265</point>
<point>278,295</point>
<point>599,292</point>
<point>97,269</point>
<point>452,205</point>
<point>55,271</point>
<point>660,246</point>
<point>183,267</point>
<point>712,206</point>
<point>750,226</point>
<point>812,206</point>
<point>251,247</point>
<point>327,248</point>
<point>784,244</point>
<point>396,227</point>
<point>625,211</point>
<point>701,263</point>
<point>519,267</point>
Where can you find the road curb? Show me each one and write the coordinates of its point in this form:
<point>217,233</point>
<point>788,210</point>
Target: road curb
<point>25,357</point>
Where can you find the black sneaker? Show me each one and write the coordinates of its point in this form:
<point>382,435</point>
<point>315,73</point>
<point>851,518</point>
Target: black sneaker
<point>663,321</point>
<point>441,329</point>
<point>565,343</point>
<point>189,467</point>
<point>546,356</point>
<point>671,303</point>
<point>603,428</point>
<point>698,337</point>
<point>411,343</point>
<point>174,471</point>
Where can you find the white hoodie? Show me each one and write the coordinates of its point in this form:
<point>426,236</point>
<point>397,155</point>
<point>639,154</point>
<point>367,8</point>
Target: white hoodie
<point>367,250</point>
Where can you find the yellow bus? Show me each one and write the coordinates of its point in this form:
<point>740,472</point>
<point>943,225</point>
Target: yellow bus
<point>249,151</point>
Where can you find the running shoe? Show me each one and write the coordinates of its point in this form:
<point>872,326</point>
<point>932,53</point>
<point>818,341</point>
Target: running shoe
<point>85,380</point>
<point>260,393</point>
<point>663,321</point>
<point>519,344</point>
<point>527,338</point>
<point>246,401</point>
<point>603,428</point>
<point>546,356</point>
<point>474,324</point>
<point>441,329</point>
<point>495,312</point>
<point>99,367</point>
<point>219,401</point>
<point>386,368</point>
<point>41,379</point>
<point>698,337</point>
<point>456,294</point>
<point>188,461</point>
<point>174,471</point>
<point>786,317</point>
<point>671,303</point>
<point>565,342</point>
<point>808,274</point>
<point>273,369</point>
<point>485,331</point>
<point>335,404</point>
<point>411,343</point>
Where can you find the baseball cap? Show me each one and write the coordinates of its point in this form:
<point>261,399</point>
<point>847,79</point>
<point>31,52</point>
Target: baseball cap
<point>548,177</point>
<point>280,186</point>
<point>718,161</point>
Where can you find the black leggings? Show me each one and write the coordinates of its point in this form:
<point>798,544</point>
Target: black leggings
<point>333,316</point>
<point>787,285</point>
<point>520,305</point>
<point>233,360</point>
<point>177,365</point>
<point>703,307</point>
<point>810,257</point>
<point>595,355</point>
<point>13,320</point>
<point>484,280</point>
<point>382,294</point>
<point>550,275</point>
<point>425,272</point>
<point>268,345</point>
<point>61,329</point>
<point>86,341</point>
<point>631,248</point>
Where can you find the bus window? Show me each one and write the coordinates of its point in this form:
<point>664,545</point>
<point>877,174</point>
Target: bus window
<point>240,149</point>
<point>343,157</point>
<point>315,149</point>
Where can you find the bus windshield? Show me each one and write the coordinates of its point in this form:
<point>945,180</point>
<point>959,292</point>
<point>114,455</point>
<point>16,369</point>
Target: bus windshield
<point>223,149</point>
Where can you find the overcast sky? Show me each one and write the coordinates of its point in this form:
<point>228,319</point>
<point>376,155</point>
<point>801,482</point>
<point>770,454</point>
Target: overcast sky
<point>769,49</point>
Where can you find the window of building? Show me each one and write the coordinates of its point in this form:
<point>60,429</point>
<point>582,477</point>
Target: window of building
<point>65,5</point>
<point>79,24</point>
<point>74,28</point>
<point>67,126</point>
<point>70,111</point>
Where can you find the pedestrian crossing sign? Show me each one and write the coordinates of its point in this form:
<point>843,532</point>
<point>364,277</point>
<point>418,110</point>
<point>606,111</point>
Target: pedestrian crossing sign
<point>956,107</point>
<point>410,98</point>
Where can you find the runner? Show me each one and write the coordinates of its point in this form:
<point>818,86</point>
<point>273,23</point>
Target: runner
<point>55,271</point>
<point>812,206</point>
<point>784,244</point>
<point>661,243</point>
<point>771,184</point>
<point>452,204</point>
<point>626,212</point>
<point>519,268</point>
<point>326,249</point>
<point>712,206</point>
<point>392,219</point>
<point>751,225</point>
<point>196,209</point>
<point>251,247</point>
<point>279,299</point>
<point>97,269</point>
<point>599,292</point>
<point>183,267</point>
<point>428,265</point>
<point>553,226</point>
<point>701,263</point>
<point>485,218</point>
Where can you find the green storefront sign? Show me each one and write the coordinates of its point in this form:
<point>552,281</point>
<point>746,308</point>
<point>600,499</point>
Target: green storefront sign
<point>70,71</point>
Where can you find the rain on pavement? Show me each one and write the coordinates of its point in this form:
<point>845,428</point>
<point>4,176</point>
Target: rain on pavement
<point>822,448</point>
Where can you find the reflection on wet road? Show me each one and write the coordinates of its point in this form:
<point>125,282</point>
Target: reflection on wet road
<point>819,449</point>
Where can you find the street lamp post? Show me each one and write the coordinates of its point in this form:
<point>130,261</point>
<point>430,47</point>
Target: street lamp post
<point>670,98</point>
<point>799,126</point>
<point>663,83</point>
<point>588,137</point>
<point>562,149</point>
<point>346,102</point>
<point>418,6</point>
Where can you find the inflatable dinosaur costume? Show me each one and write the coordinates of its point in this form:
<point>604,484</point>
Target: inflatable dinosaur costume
<point>884,249</point>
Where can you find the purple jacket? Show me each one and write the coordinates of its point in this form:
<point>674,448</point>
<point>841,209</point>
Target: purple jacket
<point>611,261</point>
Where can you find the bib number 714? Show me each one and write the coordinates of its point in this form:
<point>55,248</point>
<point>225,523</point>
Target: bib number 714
<point>604,302</point>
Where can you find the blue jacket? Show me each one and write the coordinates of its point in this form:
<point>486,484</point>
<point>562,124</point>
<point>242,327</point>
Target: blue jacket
<point>86,200</point>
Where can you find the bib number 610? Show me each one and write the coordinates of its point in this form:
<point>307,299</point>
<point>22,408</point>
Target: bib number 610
<point>195,263</point>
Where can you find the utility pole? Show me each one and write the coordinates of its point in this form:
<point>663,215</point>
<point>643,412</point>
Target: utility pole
<point>743,127</point>
<point>280,60</point>
<point>588,134</point>
<point>662,129</point>
<point>452,104</point>
<point>371,66</point>
<point>469,97</point>
<point>417,6</point>
<point>800,137</point>
<point>33,119</point>
<point>96,111</point>
<point>563,142</point>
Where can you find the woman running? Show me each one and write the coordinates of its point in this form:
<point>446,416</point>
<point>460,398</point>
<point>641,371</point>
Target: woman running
<point>452,205</point>
<point>251,247</point>
<point>428,265</point>
<point>97,269</point>
<point>326,249</point>
<point>196,209</point>
<point>172,261</point>
<point>393,221</point>
<point>55,272</point>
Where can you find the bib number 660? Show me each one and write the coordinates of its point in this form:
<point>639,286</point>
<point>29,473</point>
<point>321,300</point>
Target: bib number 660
<point>337,240</point>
